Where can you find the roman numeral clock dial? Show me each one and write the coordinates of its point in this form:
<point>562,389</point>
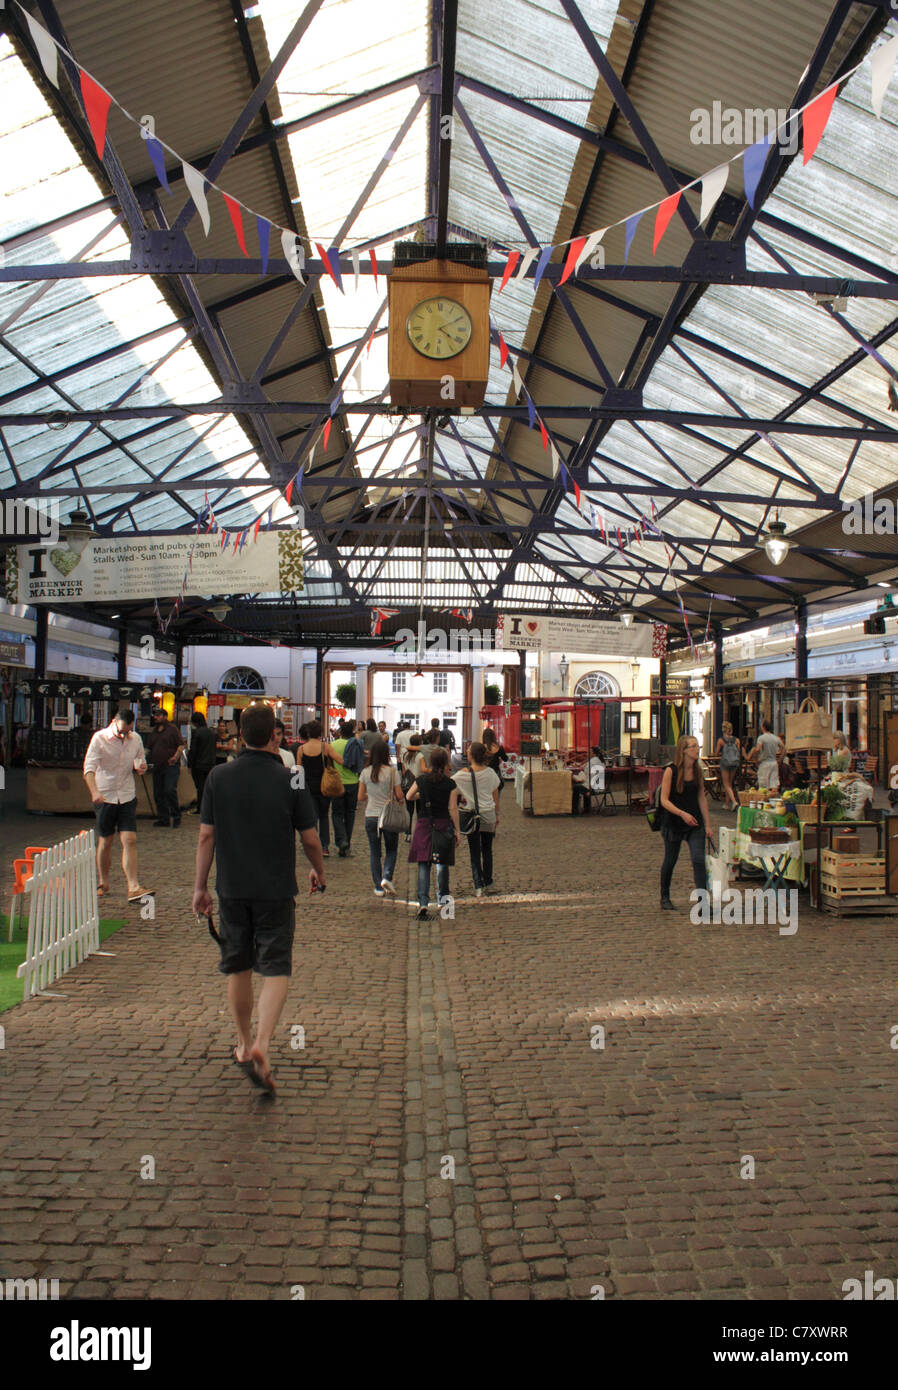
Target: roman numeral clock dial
<point>439,328</point>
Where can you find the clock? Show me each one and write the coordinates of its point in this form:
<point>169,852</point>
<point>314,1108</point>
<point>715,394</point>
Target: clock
<point>439,334</point>
<point>439,327</point>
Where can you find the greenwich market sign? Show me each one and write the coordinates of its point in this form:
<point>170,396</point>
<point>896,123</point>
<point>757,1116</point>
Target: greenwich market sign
<point>149,567</point>
<point>542,633</point>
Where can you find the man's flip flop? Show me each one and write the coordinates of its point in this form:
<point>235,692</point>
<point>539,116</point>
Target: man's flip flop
<point>140,894</point>
<point>247,1068</point>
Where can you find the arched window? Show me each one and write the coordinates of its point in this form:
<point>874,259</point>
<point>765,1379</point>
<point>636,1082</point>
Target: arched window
<point>596,683</point>
<point>242,680</point>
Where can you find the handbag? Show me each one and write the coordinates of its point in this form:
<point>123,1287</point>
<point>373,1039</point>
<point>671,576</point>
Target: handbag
<point>331,782</point>
<point>442,842</point>
<point>393,817</point>
<point>809,729</point>
<point>469,822</point>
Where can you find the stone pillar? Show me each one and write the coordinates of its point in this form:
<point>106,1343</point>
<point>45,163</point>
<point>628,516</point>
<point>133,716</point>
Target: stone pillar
<point>477,697</point>
<point>361,690</point>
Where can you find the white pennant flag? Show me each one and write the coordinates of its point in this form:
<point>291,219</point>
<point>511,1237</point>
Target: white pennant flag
<point>527,260</point>
<point>314,450</point>
<point>356,257</point>
<point>713,184</point>
<point>46,49</point>
<point>591,244</point>
<point>196,187</point>
<point>554,459</point>
<point>517,378</point>
<point>357,377</point>
<point>882,63</point>
<point>294,254</point>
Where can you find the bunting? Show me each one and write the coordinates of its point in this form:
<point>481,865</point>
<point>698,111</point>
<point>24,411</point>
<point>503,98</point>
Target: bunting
<point>233,208</point>
<point>378,616</point>
<point>97,102</point>
<point>513,258</point>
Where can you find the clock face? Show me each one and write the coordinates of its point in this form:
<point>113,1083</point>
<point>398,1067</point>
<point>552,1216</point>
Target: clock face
<point>439,327</point>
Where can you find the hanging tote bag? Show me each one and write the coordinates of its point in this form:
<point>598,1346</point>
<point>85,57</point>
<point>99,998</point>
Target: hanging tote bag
<point>394,816</point>
<point>809,729</point>
<point>331,783</point>
<point>442,842</point>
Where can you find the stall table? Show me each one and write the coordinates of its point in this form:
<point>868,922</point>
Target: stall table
<point>63,791</point>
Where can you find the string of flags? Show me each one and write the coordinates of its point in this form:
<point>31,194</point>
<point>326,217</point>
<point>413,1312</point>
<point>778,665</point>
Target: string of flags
<point>98,102</point>
<point>378,616</point>
<point>206,523</point>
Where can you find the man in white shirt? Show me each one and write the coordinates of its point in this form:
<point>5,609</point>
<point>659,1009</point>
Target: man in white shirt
<point>403,735</point>
<point>113,756</point>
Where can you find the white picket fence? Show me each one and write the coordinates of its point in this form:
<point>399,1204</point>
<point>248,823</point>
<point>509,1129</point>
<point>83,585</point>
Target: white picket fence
<point>63,921</point>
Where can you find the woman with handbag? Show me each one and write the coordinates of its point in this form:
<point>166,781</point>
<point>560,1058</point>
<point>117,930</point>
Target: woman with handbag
<point>381,795</point>
<point>478,793</point>
<point>437,832</point>
<point>411,766</point>
<point>312,756</point>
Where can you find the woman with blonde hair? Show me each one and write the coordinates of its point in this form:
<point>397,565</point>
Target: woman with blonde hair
<point>730,755</point>
<point>840,758</point>
<point>685,803</point>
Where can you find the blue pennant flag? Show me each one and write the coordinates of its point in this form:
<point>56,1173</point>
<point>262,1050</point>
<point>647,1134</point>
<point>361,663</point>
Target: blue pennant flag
<point>157,155</point>
<point>333,256</point>
<point>753,162</point>
<point>531,412</point>
<point>263,227</point>
<point>631,224</point>
<point>544,258</point>
<point>336,401</point>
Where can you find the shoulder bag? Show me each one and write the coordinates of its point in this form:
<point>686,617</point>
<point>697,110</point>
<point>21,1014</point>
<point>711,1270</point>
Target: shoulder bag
<point>331,782</point>
<point>469,822</point>
<point>394,816</point>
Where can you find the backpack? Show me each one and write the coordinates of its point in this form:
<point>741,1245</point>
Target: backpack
<point>729,757</point>
<point>656,815</point>
<point>353,756</point>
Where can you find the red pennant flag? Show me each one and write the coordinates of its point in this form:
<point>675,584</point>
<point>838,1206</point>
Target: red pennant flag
<point>373,265</point>
<point>256,527</point>
<point>542,430</point>
<point>503,351</point>
<point>573,256</point>
<point>576,492</point>
<point>289,493</point>
<point>234,211</point>
<point>326,260</point>
<point>370,340</point>
<point>96,104</point>
<point>327,429</point>
<point>665,212</point>
<point>513,258</point>
<point>620,539</point>
<point>815,118</point>
<point>236,542</point>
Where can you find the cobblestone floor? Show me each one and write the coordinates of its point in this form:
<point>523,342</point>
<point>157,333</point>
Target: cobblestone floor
<point>449,1129</point>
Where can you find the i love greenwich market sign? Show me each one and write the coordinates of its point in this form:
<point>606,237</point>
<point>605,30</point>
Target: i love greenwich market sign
<point>159,566</point>
<point>541,632</point>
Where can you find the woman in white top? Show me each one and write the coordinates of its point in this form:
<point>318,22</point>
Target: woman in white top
<point>378,782</point>
<point>480,842</point>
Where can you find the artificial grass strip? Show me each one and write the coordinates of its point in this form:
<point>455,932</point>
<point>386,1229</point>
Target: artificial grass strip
<point>12,953</point>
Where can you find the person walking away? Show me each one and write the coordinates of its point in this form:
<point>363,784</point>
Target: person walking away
<point>113,756</point>
<point>367,737</point>
<point>429,741</point>
<point>350,762</point>
<point>380,783</point>
<point>200,754</point>
<point>479,777</point>
<point>495,754</point>
<point>767,753</point>
<point>310,758</point>
<point>438,811</point>
<point>402,736</point>
<point>164,746</point>
<point>250,814</point>
<point>685,801</point>
<point>412,765</point>
<point>730,755</point>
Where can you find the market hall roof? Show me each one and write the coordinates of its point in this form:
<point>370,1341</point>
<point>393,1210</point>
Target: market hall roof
<point>696,388</point>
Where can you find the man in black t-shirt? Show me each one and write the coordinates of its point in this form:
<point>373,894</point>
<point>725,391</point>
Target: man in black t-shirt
<point>251,810</point>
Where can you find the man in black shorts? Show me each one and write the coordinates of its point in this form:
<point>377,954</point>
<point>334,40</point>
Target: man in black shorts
<point>250,813</point>
<point>113,756</point>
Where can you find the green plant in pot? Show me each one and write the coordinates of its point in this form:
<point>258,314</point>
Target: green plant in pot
<point>346,695</point>
<point>492,695</point>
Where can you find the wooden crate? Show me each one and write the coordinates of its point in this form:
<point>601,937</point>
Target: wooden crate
<point>852,875</point>
<point>551,792</point>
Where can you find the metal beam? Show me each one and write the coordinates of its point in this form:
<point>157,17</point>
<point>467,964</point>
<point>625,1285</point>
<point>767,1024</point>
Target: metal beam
<point>449,34</point>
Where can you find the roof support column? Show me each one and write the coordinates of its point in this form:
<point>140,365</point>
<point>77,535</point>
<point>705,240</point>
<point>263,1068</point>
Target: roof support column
<point>801,650</point>
<point>717,684</point>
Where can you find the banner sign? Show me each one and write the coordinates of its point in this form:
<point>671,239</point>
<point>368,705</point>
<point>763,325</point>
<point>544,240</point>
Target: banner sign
<point>122,569</point>
<point>125,692</point>
<point>571,635</point>
<point>12,654</point>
